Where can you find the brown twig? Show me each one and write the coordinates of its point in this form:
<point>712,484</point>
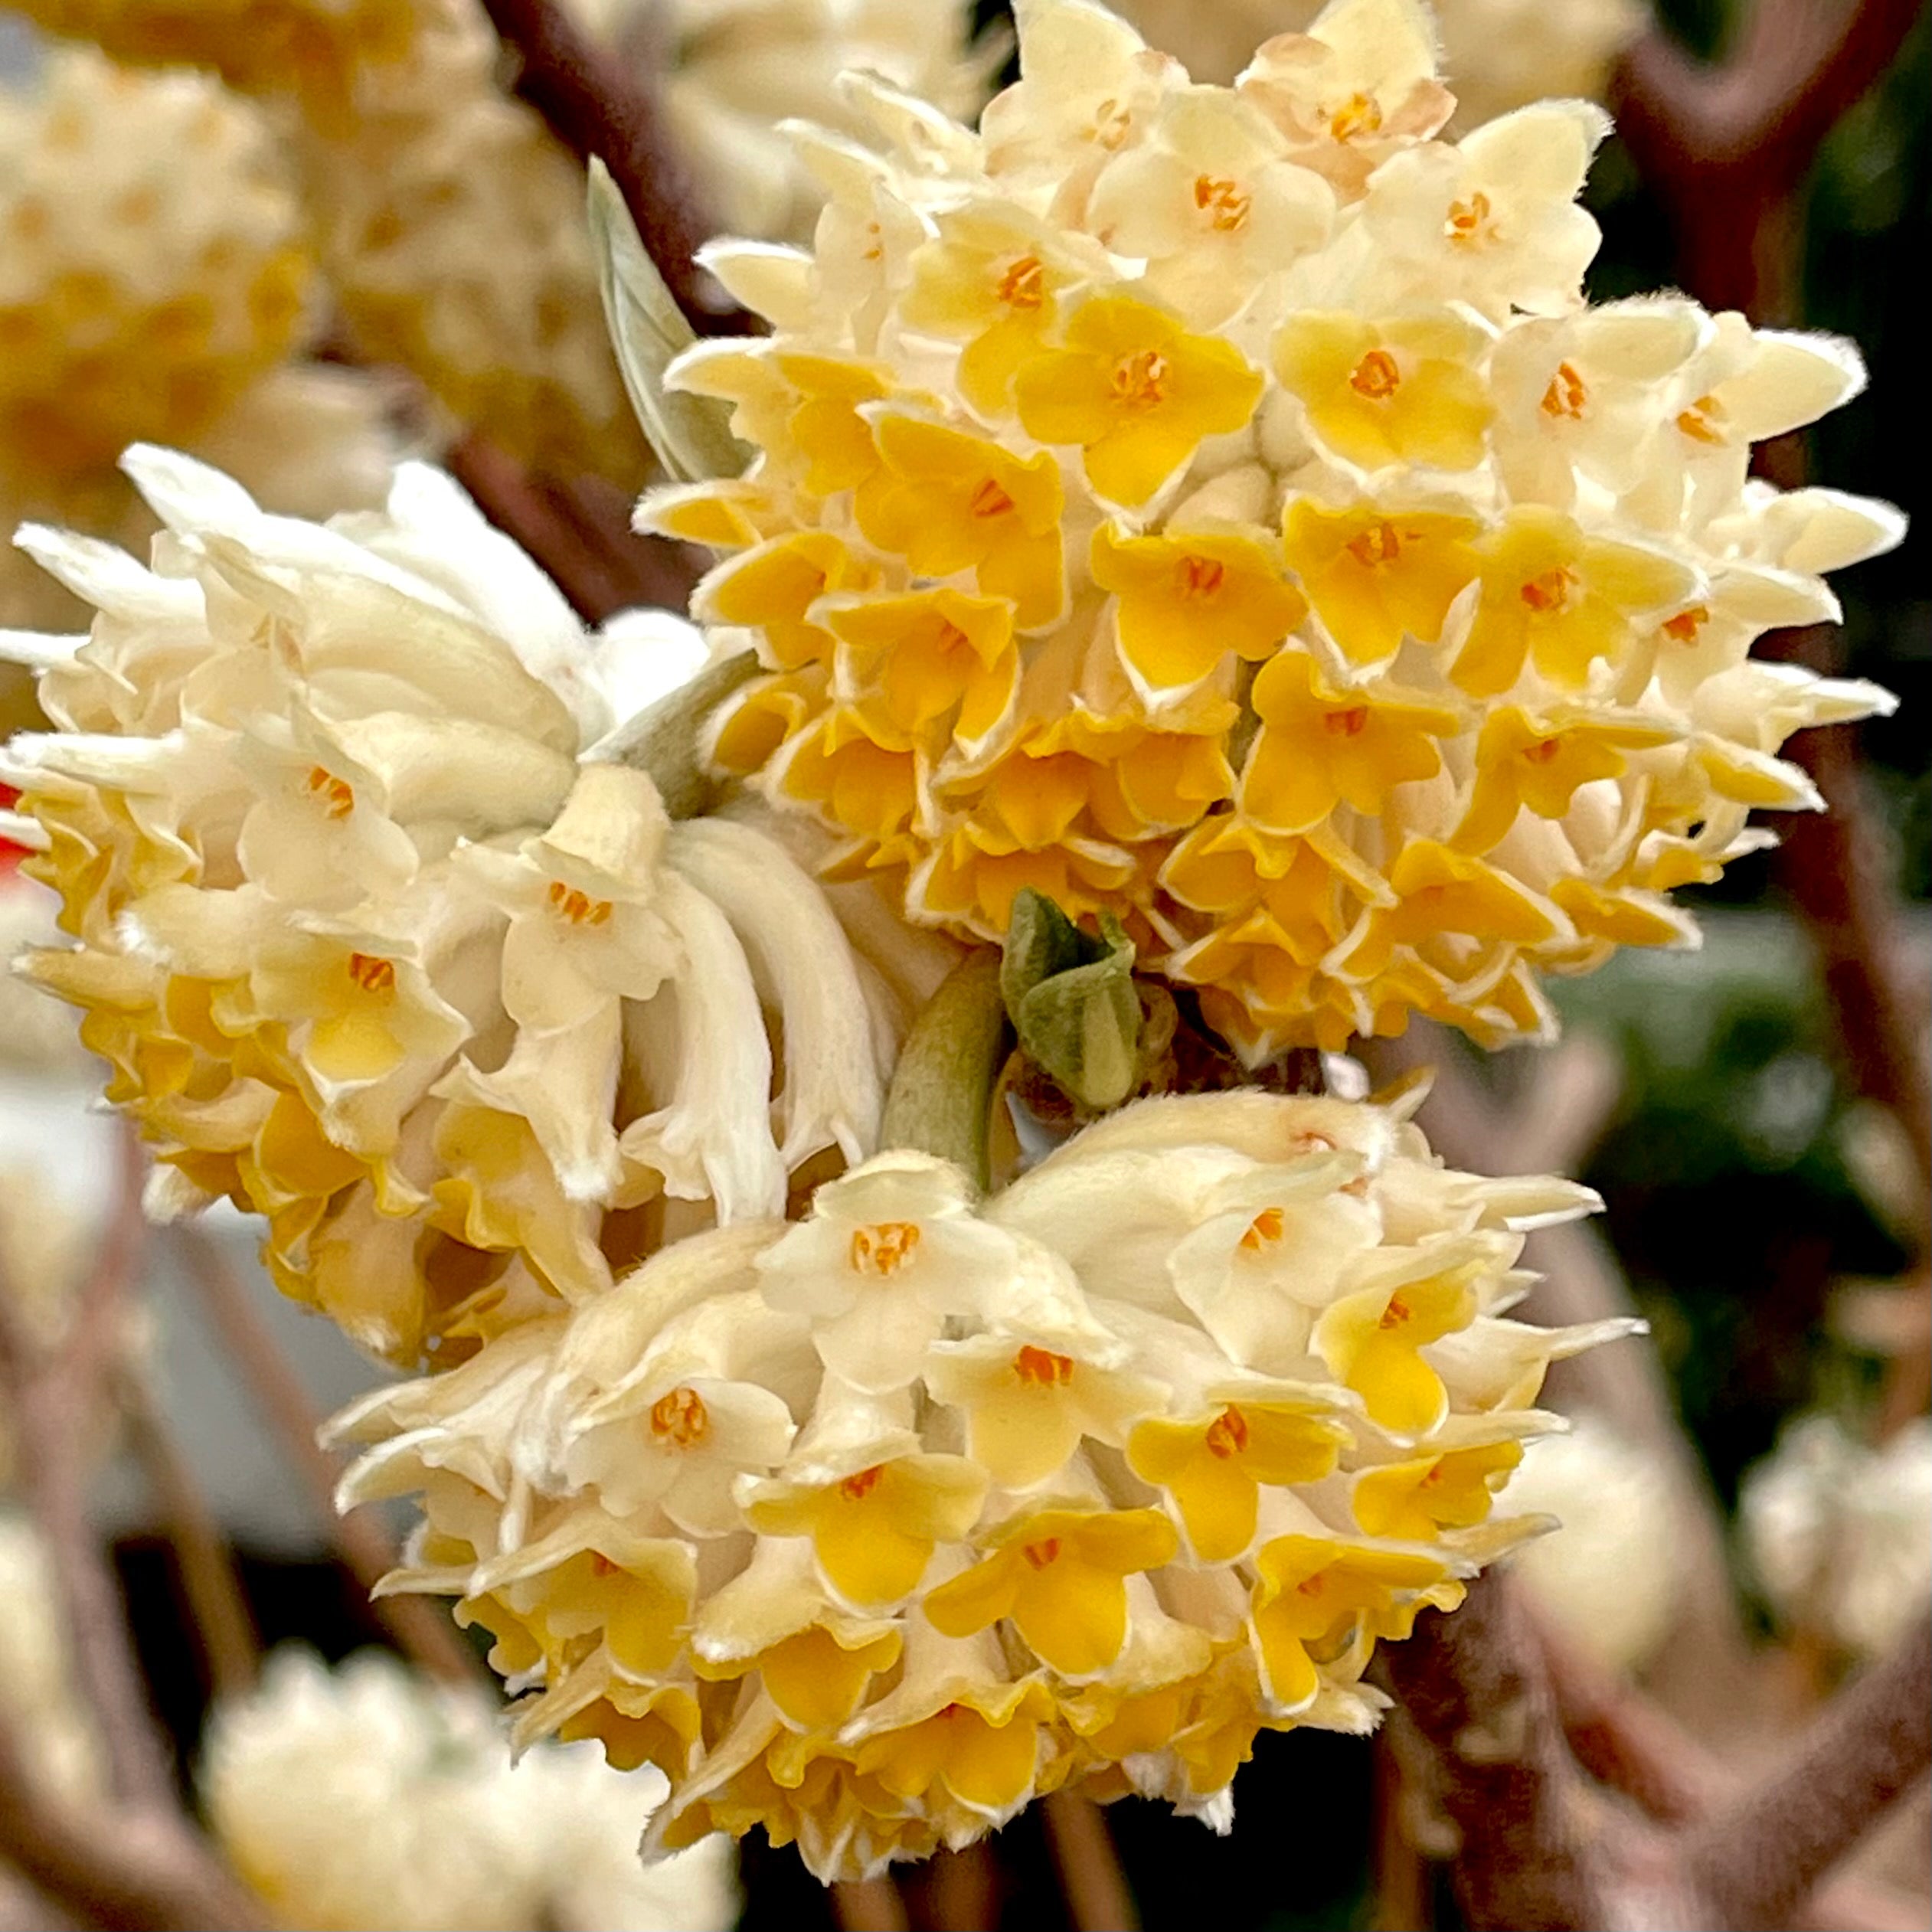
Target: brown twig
<point>218,1607</point>
<point>48,1390</point>
<point>869,1905</point>
<point>1754,1860</point>
<point>596,105</point>
<point>1098,1899</point>
<point>418,1627</point>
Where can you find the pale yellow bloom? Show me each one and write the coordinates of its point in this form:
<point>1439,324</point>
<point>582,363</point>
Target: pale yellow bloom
<point>1153,1446</point>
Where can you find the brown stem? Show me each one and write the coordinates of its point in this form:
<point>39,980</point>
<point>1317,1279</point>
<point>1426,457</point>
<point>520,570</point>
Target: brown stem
<point>1755,1860</point>
<point>218,1609</point>
<point>418,1628</point>
<point>579,533</point>
<point>48,1391</point>
<point>1098,1899</point>
<point>146,1873</point>
<point>596,105</point>
<point>869,1905</point>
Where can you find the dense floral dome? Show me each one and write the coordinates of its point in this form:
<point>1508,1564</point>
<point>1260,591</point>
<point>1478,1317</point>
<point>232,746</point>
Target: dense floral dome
<point>1220,506</point>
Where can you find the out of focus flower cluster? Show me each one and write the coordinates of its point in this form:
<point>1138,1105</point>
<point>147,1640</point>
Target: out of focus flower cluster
<point>1836,1532</point>
<point>373,949</point>
<point>363,1800</point>
<point>871,1527</point>
<point>63,1755</point>
<point>449,220</point>
<point>1220,506</point>
<point>156,281</point>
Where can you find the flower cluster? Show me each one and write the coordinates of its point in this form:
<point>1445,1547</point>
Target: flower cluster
<point>363,1800</point>
<point>154,285</point>
<point>1834,1531</point>
<point>1221,507</point>
<point>377,944</point>
<point>869,1528</point>
<point>1499,55</point>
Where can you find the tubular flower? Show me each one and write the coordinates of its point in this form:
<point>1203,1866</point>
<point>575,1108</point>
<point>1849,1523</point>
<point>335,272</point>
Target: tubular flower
<point>872,1527</point>
<point>377,944</point>
<point>153,283</point>
<point>1338,540</point>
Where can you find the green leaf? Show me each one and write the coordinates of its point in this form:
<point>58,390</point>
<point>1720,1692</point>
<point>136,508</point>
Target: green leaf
<point>1072,1000</point>
<point>691,434</point>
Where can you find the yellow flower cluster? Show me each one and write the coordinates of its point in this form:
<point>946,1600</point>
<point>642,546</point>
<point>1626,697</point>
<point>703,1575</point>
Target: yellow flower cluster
<point>1220,506</point>
<point>869,1528</point>
<point>314,47</point>
<point>153,284</point>
<point>376,944</point>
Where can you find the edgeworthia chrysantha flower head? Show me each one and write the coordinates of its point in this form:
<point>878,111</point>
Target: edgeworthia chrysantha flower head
<point>1219,506</point>
<point>378,945</point>
<point>363,1799</point>
<point>872,1527</point>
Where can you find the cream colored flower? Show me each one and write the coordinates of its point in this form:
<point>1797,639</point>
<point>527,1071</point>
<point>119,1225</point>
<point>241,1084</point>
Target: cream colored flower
<point>1039,1522</point>
<point>361,1796</point>
<point>1221,509</point>
<point>1834,1531</point>
<point>61,1754</point>
<point>375,942</point>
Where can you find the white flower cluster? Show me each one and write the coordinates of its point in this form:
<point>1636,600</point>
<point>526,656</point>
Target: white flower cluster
<point>1220,506</point>
<point>363,1800</point>
<point>1839,1534</point>
<point>1498,55</point>
<point>375,944</point>
<point>870,1527</point>
<point>154,284</point>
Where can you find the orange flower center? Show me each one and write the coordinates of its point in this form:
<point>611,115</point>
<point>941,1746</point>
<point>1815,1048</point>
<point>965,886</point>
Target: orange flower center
<point>1566,395</point>
<point>1701,421</point>
<point>1381,544</point>
<point>577,908</point>
<point>1395,1314</point>
<point>1042,1553</point>
<point>1466,218</point>
<point>1376,376</point>
<point>1263,1230</point>
<point>680,1417</point>
<point>372,975</point>
<point>1140,381</point>
<point>989,500</point>
<point>1684,627</point>
<point>1346,724</point>
<point>1222,203</point>
<point>885,1247</point>
<point>855,1487</point>
<point>1549,595</point>
<point>1543,750</point>
<point>336,796</point>
<point>1201,577</point>
<point>1024,286</point>
<point>1042,1368</point>
<point>1227,1434</point>
<point>1358,114</point>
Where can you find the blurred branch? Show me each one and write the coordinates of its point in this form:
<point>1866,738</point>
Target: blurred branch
<point>1098,1899</point>
<point>48,1390</point>
<point>418,1627</point>
<point>597,104</point>
<point>1541,1846</point>
<point>218,1609</point>
<point>134,1860</point>
<point>1727,146</point>
<point>869,1905</point>
<point>579,533</point>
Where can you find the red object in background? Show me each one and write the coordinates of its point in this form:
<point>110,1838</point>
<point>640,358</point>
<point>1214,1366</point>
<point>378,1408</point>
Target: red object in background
<point>12,852</point>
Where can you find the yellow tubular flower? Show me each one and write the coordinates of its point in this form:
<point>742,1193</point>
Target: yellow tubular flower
<point>1223,389</point>
<point>1178,1517</point>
